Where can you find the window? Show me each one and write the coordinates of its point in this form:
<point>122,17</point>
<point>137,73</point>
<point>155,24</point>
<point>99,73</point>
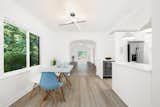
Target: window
<point>34,49</point>
<point>18,46</point>
<point>82,55</point>
<point>14,48</point>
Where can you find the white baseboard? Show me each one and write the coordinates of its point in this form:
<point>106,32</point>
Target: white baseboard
<point>99,75</point>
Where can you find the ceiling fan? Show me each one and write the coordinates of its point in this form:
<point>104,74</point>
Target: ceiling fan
<point>73,20</point>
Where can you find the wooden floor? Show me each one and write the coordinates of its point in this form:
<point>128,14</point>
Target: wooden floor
<point>88,90</point>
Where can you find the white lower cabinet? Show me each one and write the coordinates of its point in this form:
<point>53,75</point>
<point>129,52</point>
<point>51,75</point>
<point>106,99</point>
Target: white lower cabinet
<point>132,85</point>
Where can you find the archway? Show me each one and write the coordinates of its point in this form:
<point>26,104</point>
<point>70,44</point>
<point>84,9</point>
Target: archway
<point>83,51</point>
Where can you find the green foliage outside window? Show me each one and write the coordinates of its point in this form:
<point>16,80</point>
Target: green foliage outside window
<point>34,49</point>
<point>14,48</point>
<point>82,54</point>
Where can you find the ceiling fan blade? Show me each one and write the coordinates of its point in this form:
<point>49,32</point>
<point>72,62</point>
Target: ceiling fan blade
<point>81,21</point>
<point>66,24</point>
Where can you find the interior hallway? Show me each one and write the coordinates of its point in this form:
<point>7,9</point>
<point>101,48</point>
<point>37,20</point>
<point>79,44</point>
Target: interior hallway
<point>87,90</point>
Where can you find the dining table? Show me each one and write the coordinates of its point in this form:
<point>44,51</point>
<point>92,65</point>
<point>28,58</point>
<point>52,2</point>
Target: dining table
<point>62,71</point>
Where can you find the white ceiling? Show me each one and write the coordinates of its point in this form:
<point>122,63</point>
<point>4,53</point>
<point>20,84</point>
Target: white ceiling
<point>100,14</point>
<point>83,43</point>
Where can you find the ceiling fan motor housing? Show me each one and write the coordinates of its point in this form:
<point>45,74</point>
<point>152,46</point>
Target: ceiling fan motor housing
<point>72,14</point>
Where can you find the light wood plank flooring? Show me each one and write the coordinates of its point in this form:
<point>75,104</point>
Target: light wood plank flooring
<point>87,90</point>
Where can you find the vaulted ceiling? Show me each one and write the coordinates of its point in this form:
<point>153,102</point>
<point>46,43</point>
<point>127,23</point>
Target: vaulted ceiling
<point>101,15</point>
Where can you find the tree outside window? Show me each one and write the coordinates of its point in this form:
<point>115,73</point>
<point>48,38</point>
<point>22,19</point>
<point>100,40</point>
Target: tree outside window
<point>14,48</point>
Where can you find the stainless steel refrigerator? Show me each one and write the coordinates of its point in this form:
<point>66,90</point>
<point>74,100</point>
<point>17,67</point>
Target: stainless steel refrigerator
<point>136,51</point>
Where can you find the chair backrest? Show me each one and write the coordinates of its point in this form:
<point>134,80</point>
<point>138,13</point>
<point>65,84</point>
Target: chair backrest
<point>48,80</point>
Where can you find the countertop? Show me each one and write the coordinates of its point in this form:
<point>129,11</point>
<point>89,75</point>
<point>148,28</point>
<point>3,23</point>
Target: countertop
<point>137,66</point>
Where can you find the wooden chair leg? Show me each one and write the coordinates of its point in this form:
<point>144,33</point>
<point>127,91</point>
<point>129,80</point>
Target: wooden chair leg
<point>68,82</point>
<point>43,103</point>
<point>54,98</point>
<point>62,94</point>
<point>58,94</point>
<point>39,89</point>
<point>63,78</point>
<point>44,98</point>
<point>33,91</point>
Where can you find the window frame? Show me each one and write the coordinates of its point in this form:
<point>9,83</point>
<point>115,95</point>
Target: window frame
<point>38,49</point>
<point>4,75</point>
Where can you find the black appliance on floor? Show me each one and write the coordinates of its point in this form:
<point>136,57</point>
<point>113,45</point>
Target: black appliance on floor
<point>107,68</point>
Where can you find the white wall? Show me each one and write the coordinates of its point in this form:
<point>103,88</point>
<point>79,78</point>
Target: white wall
<point>156,54</point>
<point>14,87</point>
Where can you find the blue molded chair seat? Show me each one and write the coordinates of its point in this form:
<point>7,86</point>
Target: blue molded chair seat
<point>49,81</point>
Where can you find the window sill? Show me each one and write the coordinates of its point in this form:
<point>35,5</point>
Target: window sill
<point>18,72</point>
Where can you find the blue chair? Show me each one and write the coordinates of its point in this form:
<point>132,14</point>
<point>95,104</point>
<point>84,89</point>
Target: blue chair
<point>50,85</point>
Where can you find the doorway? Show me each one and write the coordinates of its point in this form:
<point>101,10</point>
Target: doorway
<point>82,52</point>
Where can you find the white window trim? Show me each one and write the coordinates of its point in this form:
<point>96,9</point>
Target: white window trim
<point>28,50</point>
<point>1,49</point>
<point>4,75</point>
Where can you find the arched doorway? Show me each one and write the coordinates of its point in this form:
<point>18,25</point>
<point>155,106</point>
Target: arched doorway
<point>83,53</point>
